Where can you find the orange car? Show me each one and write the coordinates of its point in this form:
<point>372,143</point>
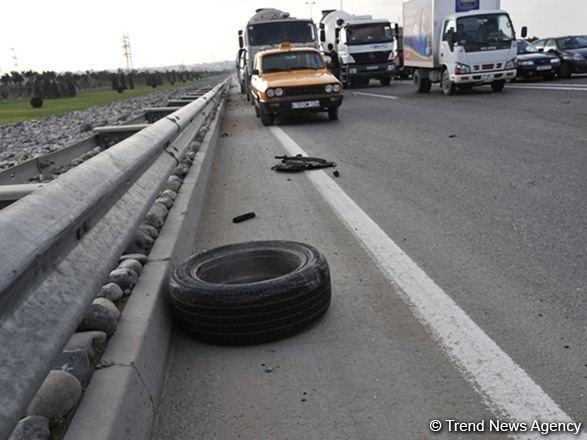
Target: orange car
<point>289,80</point>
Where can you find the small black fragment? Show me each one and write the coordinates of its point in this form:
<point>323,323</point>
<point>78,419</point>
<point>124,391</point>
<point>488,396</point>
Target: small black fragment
<point>243,217</point>
<point>452,135</point>
<point>336,173</point>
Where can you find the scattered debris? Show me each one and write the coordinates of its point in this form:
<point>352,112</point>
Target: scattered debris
<point>452,135</point>
<point>224,134</point>
<point>243,217</point>
<point>336,173</point>
<point>301,163</point>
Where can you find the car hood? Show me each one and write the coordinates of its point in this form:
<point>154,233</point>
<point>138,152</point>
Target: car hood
<point>299,78</point>
<point>581,50</point>
<point>534,57</point>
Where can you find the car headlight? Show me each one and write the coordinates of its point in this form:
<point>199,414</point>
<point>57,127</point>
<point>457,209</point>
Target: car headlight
<point>511,64</point>
<point>555,61</point>
<point>525,63</point>
<point>353,71</point>
<point>578,57</point>
<point>336,88</point>
<point>270,93</point>
<point>328,88</point>
<point>462,68</point>
<point>279,91</point>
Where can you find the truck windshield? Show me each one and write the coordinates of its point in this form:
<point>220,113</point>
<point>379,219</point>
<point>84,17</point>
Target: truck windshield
<point>287,61</point>
<point>281,32</point>
<point>485,32</point>
<point>369,34</point>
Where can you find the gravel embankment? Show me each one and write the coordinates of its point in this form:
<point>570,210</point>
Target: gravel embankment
<point>25,140</point>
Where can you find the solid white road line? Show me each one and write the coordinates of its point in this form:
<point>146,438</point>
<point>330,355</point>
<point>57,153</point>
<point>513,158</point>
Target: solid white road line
<point>375,94</point>
<point>577,88</point>
<point>503,385</point>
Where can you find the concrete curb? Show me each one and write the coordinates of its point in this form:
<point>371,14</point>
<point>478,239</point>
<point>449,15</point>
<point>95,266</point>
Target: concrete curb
<point>121,399</point>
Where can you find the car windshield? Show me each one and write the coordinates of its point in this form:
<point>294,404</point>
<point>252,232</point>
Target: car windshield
<point>485,32</point>
<point>287,61</point>
<point>263,34</point>
<point>525,47</point>
<point>369,34</point>
<point>568,43</point>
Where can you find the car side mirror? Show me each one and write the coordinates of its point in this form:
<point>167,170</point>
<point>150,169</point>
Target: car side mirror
<point>541,50</point>
<point>450,37</point>
<point>322,35</point>
<point>524,31</point>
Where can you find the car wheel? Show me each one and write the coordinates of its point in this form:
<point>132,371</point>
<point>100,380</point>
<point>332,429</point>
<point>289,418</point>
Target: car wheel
<point>249,293</point>
<point>497,86</point>
<point>565,71</point>
<point>448,87</point>
<point>267,118</point>
<point>333,113</point>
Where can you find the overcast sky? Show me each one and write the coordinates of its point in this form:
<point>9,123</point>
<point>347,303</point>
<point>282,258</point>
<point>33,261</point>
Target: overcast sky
<point>64,35</point>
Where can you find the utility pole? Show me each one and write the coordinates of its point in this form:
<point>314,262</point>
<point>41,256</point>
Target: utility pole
<point>127,51</point>
<point>310,3</point>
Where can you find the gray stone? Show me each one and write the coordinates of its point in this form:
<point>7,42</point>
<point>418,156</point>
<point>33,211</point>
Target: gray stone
<point>137,245</point>
<point>147,239</point>
<point>111,291</point>
<point>86,341</point>
<point>75,362</point>
<point>58,394</point>
<point>98,318</point>
<point>108,305</point>
<point>141,258</point>
<point>31,428</point>
<point>125,278</point>
<point>168,193</point>
<point>131,264</point>
<point>165,201</point>
<point>156,215</point>
<point>151,231</point>
<point>173,184</point>
<point>181,171</point>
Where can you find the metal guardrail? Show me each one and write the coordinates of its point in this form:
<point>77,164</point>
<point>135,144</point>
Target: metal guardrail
<point>60,242</point>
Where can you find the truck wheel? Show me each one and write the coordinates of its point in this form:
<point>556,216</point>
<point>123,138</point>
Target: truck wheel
<point>267,118</point>
<point>497,86</point>
<point>422,84</point>
<point>448,87</point>
<point>333,113</point>
<point>385,81</point>
<point>249,293</point>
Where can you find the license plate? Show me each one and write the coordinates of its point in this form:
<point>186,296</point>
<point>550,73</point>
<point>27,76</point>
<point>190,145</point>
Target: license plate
<point>543,67</point>
<point>372,67</point>
<point>305,104</point>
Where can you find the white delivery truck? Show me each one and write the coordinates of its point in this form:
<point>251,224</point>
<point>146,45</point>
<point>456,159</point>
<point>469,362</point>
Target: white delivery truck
<point>267,29</point>
<point>458,43</point>
<point>359,46</point>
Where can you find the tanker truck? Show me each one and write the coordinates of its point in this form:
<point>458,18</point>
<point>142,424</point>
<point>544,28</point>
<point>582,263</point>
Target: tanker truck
<point>458,44</point>
<point>359,46</point>
<point>267,29</point>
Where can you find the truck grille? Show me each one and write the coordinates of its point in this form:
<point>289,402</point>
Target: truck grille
<point>303,90</point>
<point>371,57</point>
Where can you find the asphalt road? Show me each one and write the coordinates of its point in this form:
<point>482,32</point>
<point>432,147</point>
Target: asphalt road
<point>484,191</point>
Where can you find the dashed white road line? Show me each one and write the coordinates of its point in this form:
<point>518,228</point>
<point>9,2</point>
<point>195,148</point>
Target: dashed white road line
<point>504,386</point>
<point>573,88</point>
<point>375,95</point>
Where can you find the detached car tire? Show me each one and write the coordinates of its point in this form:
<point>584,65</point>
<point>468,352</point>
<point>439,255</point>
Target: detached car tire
<point>250,293</point>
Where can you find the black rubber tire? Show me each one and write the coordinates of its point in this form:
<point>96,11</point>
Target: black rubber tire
<point>497,86</point>
<point>447,86</point>
<point>250,293</point>
<point>422,85</point>
<point>267,118</point>
<point>333,113</point>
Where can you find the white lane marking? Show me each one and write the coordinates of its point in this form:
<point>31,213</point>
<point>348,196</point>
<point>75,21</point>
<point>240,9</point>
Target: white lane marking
<point>577,88</point>
<point>503,385</point>
<point>375,94</point>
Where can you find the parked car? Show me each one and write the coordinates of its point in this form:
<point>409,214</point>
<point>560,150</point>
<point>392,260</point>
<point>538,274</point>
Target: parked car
<point>531,63</point>
<point>291,80</point>
<point>571,50</point>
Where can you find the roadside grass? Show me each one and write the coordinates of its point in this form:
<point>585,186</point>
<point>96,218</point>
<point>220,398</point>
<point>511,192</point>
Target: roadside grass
<point>21,110</point>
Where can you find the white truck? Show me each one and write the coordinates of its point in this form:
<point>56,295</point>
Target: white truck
<point>458,43</point>
<point>267,29</point>
<point>359,46</point>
